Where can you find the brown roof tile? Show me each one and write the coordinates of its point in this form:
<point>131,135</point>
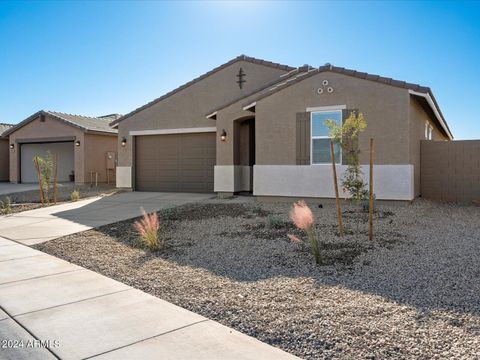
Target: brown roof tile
<point>85,123</point>
<point>201,77</point>
<point>4,128</point>
<point>350,72</point>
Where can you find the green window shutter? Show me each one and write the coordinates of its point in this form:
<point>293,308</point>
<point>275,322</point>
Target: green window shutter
<point>350,145</point>
<point>303,138</point>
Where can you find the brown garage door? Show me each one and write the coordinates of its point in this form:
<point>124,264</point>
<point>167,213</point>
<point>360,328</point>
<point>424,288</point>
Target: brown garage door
<point>180,162</point>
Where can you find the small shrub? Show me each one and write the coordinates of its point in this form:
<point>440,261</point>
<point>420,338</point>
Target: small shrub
<point>275,222</point>
<point>366,204</point>
<point>169,214</point>
<point>75,195</point>
<point>302,217</point>
<point>147,229</point>
<point>347,135</point>
<point>6,206</point>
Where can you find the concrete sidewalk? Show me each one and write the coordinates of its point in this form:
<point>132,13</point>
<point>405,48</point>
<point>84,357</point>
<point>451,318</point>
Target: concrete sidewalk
<point>40,225</point>
<point>84,315</point>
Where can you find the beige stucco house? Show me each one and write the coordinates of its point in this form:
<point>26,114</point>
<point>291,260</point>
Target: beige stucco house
<point>257,126</point>
<point>86,146</point>
<point>4,155</point>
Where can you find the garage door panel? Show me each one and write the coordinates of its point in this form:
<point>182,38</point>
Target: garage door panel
<point>65,156</point>
<point>181,162</point>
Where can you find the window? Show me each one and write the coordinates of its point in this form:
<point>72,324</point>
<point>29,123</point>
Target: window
<point>320,145</point>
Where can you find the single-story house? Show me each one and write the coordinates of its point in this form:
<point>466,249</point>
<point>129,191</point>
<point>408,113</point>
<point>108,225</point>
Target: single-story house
<point>4,156</point>
<point>257,126</point>
<point>85,146</point>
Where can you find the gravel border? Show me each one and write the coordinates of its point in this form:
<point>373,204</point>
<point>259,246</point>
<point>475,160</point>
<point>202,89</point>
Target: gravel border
<point>412,293</point>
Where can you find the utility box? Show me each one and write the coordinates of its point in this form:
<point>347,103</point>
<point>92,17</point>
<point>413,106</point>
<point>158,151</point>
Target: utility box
<point>111,157</point>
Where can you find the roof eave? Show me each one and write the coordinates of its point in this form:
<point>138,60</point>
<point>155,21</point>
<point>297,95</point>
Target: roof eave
<point>201,77</point>
<point>100,132</point>
<point>212,116</point>
<point>428,97</point>
<point>22,123</point>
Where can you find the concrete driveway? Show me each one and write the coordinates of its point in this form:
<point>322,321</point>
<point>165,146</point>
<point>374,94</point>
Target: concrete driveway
<point>40,225</point>
<point>8,188</point>
<point>52,309</point>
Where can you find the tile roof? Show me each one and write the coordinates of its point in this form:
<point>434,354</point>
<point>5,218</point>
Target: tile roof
<point>4,128</point>
<point>291,75</point>
<point>85,123</point>
<point>344,71</point>
<point>201,77</point>
<point>361,75</point>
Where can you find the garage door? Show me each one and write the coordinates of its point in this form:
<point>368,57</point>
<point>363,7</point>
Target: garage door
<point>66,159</point>
<point>177,163</point>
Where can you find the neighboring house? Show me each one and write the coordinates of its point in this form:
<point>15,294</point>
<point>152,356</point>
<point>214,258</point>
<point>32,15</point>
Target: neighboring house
<point>247,126</point>
<point>81,144</point>
<point>4,156</point>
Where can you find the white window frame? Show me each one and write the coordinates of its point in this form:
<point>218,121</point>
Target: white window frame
<point>430,131</point>
<point>336,109</point>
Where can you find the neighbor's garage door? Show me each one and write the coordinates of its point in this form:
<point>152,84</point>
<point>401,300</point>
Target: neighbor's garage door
<point>64,151</point>
<point>180,162</point>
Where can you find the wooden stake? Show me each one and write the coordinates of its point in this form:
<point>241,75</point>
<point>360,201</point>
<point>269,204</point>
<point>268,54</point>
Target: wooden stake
<point>370,205</point>
<point>337,200</point>
<point>39,177</point>
<point>55,179</point>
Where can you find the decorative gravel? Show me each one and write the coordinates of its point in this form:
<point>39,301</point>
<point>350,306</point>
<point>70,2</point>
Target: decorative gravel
<point>414,292</point>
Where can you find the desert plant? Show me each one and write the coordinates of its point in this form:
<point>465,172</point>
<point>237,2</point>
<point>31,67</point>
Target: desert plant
<point>6,206</point>
<point>366,204</point>
<point>169,214</point>
<point>275,222</point>
<point>302,217</point>
<point>46,172</point>
<point>147,229</point>
<point>75,195</point>
<point>347,136</point>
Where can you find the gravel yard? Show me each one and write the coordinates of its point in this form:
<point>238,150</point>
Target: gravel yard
<point>414,292</point>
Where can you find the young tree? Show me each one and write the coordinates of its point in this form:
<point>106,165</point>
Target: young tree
<point>45,172</point>
<point>346,135</point>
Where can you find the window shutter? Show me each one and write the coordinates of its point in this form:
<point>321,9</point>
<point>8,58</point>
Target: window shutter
<point>303,138</point>
<point>350,145</point>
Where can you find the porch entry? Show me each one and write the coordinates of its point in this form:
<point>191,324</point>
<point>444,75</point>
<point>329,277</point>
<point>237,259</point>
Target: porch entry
<point>244,152</point>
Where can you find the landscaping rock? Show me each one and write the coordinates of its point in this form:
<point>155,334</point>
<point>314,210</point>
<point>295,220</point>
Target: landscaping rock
<point>410,293</point>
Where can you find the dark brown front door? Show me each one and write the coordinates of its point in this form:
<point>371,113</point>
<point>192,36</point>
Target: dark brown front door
<point>176,163</point>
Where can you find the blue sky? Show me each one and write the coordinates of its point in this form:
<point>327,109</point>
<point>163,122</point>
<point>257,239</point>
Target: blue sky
<point>95,58</point>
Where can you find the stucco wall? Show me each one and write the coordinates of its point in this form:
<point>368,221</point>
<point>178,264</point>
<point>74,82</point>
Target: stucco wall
<point>187,108</point>
<point>391,182</point>
<point>418,117</point>
<point>89,156</point>
<point>386,109</point>
<point>226,119</point>
<point>47,131</point>
<point>96,147</point>
<point>387,112</point>
<point>4,159</point>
